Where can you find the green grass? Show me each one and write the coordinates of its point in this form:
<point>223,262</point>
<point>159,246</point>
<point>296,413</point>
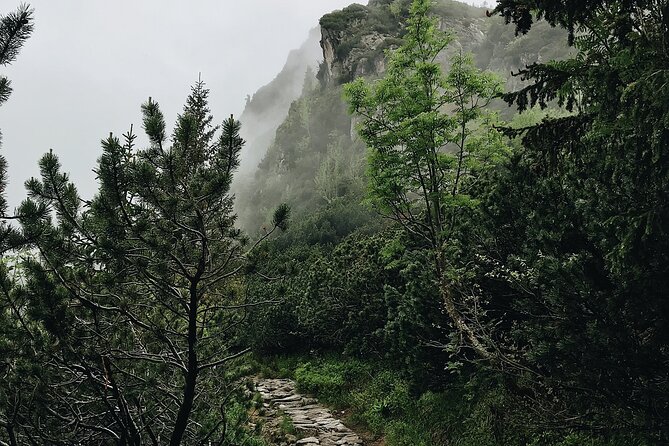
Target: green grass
<point>379,399</point>
<point>287,426</point>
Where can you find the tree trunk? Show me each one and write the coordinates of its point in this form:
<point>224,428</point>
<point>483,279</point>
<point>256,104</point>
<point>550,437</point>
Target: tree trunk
<point>460,322</point>
<point>12,435</point>
<point>191,374</point>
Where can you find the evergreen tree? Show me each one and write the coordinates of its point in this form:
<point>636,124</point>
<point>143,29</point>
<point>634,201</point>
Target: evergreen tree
<point>15,28</point>
<point>579,221</point>
<point>140,290</point>
<point>16,351</point>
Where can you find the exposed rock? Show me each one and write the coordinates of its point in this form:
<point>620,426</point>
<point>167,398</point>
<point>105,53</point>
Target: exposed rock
<point>330,40</point>
<point>312,421</point>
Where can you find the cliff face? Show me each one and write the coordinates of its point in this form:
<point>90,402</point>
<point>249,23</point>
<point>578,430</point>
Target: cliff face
<point>330,39</point>
<point>269,106</point>
<point>355,39</point>
<point>294,146</point>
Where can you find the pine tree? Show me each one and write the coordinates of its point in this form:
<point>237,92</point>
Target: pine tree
<point>16,350</point>
<point>588,193</point>
<point>15,28</point>
<point>142,288</point>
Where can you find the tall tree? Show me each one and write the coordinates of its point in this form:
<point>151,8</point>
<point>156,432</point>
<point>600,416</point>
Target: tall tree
<point>140,289</point>
<point>587,200</point>
<point>426,146</point>
<point>15,350</point>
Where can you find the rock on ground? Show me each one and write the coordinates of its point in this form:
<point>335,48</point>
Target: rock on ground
<point>315,423</point>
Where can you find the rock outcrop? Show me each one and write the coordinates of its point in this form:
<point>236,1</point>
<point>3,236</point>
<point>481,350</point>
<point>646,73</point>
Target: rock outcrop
<point>353,43</point>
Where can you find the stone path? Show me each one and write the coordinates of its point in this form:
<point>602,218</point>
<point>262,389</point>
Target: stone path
<point>313,422</point>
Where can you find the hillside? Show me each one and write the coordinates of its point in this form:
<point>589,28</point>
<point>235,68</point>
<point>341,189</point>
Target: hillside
<point>268,107</point>
<point>299,153</point>
<point>455,231</point>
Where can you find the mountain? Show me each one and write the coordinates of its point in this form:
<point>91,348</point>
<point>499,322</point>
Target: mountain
<point>268,107</point>
<point>306,151</point>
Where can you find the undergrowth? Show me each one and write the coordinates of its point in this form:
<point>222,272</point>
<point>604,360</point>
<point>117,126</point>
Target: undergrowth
<point>472,411</point>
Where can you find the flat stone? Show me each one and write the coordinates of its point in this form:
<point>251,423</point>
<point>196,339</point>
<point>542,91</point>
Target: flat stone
<point>288,399</point>
<point>306,414</point>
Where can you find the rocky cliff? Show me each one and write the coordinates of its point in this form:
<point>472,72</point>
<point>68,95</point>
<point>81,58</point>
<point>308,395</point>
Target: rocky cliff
<point>268,107</point>
<point>299,143</point>
<point>354,40</point>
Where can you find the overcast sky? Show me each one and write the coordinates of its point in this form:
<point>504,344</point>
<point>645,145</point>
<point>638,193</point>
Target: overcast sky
<point>91,63</point>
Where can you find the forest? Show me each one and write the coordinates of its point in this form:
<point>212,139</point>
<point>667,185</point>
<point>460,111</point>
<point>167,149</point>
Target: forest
<point>456,234</point>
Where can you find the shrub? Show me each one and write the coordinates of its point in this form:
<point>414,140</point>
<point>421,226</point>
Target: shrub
<point>340,20</point>
<point>385,398</point>
<point>331,380</point>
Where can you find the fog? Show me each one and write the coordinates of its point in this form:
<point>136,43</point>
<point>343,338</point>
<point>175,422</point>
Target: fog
<point>91,63</point>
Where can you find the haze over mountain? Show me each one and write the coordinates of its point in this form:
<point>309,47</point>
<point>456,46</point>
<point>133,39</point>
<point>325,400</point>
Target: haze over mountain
<point>90,64</point>
<point>398,223</point>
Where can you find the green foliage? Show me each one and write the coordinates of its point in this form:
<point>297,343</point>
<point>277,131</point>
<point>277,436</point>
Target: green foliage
<point>15,28</point>
<point>315,125</point>
<point>547,256</point>
<point>131,300</point>
<point>341,20</point>
<point>370,295</point>
<point>348,28</point>
<point>317,130</point>
<point>340,173</point>
<point>422,158</point>
<point>452,9</point>
<point>22,344</point>
<point>555,251</point>
<point>287,426</point>
<point>476,411</point>
<point>281,216</point>
<point>386,397</point>
<point>330,380</point>
<point>577,236</point>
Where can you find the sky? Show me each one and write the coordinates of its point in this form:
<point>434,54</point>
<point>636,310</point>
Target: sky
<point>91,63</point>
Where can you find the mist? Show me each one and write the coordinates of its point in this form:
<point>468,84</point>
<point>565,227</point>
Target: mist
<point>90,64</point>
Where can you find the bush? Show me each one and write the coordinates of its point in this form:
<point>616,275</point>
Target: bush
<point>340,20</point>
<point>385,398</point>
<point>331,380</point>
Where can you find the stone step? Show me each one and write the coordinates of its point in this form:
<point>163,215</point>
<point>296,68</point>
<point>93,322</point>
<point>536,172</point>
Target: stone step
<point>308,416</point>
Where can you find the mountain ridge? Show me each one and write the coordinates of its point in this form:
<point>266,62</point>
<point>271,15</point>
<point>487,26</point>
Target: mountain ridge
<point>292,152</point>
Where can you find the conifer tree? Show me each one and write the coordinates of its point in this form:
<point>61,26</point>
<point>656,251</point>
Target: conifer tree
<point>15,28</point>
<point>590,188</point>
<point>141,289</point>
<point>16,350</point>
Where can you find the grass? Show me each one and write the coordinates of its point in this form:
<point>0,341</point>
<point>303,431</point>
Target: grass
<point>287,426</point>
<point>380,400</point>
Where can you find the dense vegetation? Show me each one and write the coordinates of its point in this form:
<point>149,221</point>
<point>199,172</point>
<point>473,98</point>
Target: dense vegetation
<point>553,260</point>
<point>484,283</point>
